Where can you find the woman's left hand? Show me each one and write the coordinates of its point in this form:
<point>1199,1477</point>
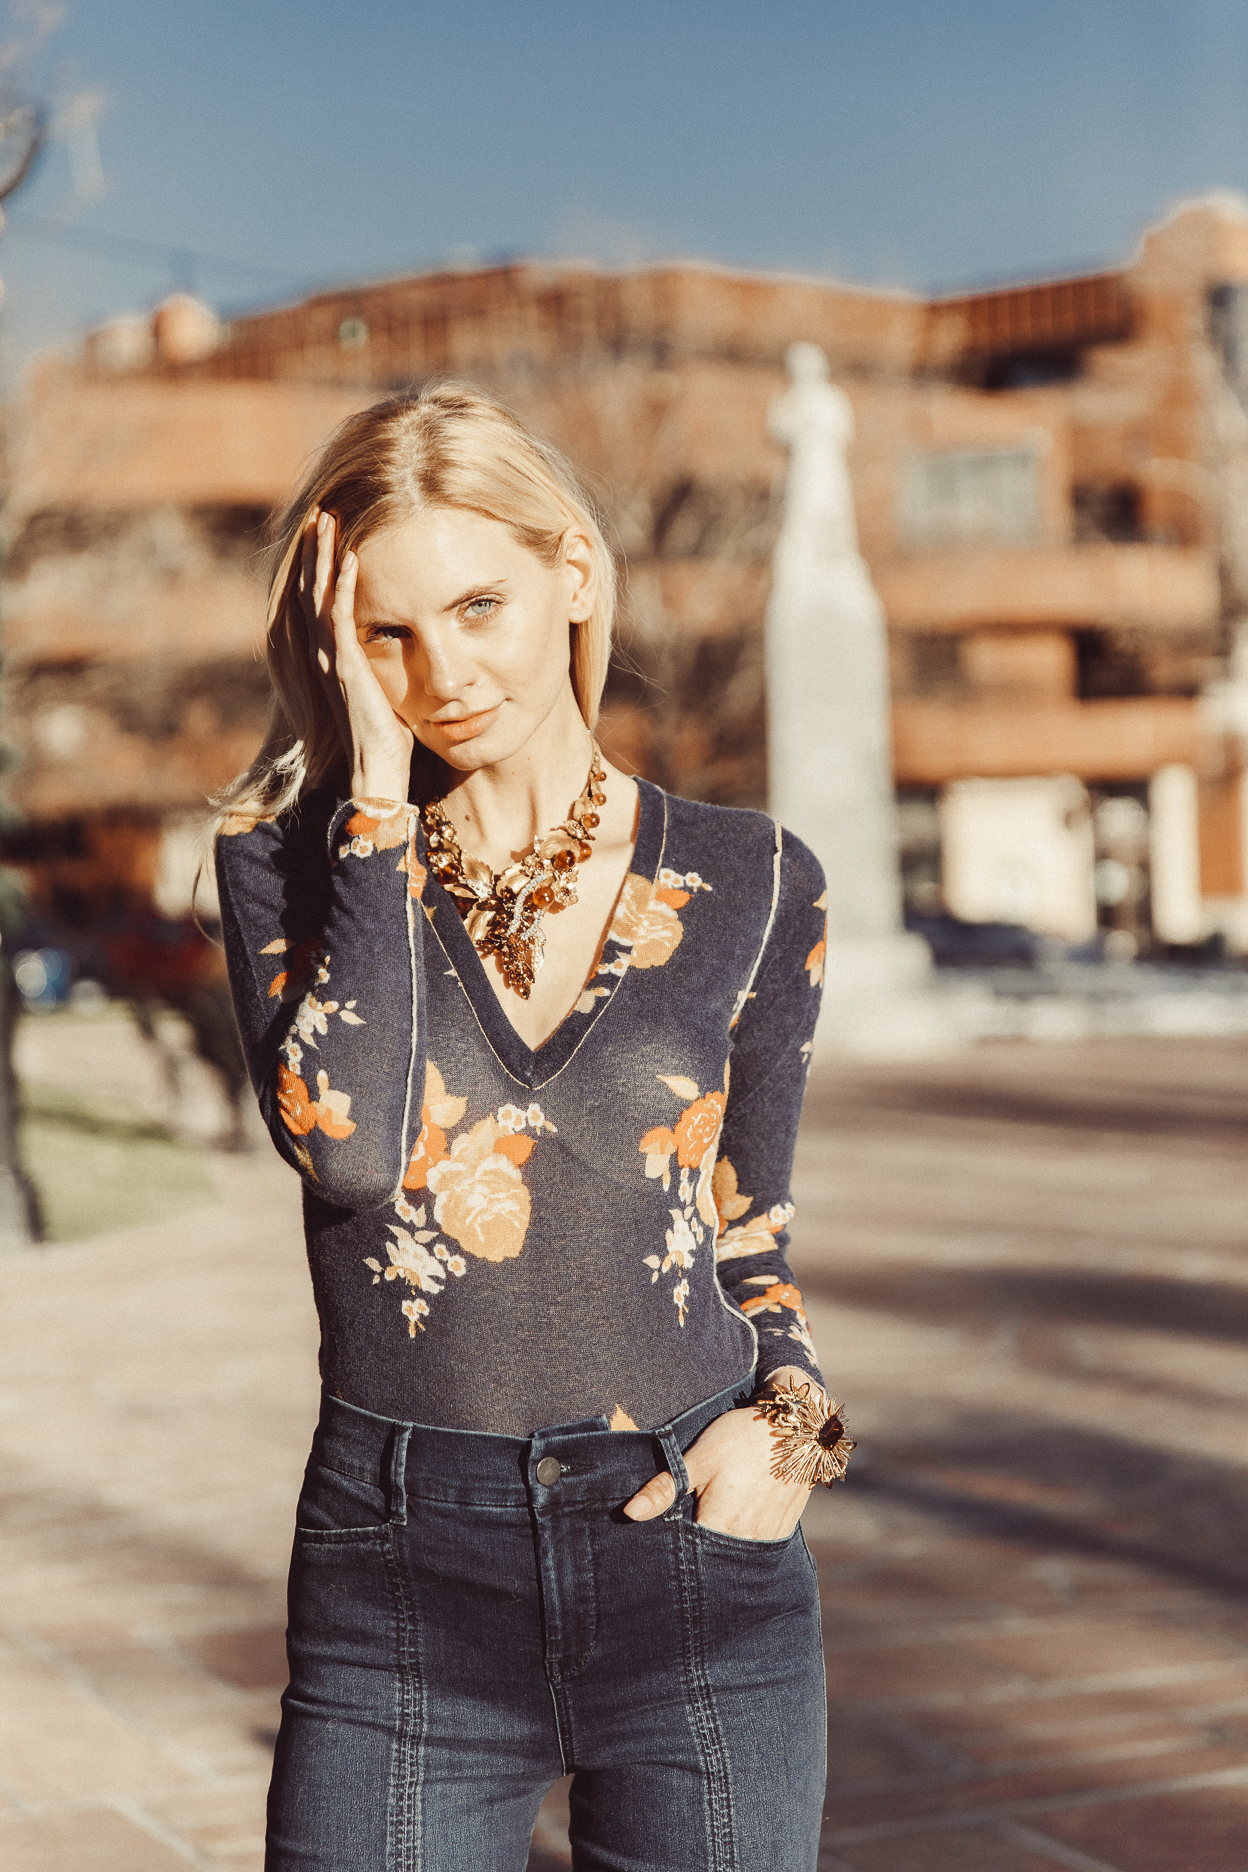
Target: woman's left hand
<point>730,1473</point>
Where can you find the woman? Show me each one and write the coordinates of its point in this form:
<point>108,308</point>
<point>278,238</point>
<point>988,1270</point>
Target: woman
<point>535,1036</point>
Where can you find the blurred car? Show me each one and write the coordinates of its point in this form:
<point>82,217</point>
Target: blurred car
<point>957,944</point>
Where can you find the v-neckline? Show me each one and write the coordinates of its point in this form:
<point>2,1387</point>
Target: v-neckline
<point>535,1066</point>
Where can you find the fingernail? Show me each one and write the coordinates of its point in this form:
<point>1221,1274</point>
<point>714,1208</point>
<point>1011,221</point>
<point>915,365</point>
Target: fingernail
<point>320,522</point>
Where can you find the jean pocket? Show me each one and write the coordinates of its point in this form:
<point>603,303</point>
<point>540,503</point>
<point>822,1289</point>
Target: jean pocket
<point>741,1543</point>
<point>333,1506</point>
<point>735,1543</point>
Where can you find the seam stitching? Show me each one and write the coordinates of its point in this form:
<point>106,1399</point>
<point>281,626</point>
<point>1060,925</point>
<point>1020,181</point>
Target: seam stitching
<point>703,1717</point>
<point>404,1844</point>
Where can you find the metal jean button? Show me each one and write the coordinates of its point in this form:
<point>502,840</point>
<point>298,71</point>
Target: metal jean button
<point>549,1470</point>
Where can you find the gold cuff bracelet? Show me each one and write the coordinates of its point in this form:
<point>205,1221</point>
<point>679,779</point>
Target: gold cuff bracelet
<point>808,1432</point>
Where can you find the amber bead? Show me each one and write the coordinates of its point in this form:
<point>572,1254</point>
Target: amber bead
<point>563,860</point>
<point>590,819</point>
<point>585,851</point>
<point>542,897</point>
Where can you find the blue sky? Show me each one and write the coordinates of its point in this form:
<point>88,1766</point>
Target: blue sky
<point>897,142</point>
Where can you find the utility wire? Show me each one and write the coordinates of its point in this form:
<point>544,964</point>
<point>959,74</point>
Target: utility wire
<point>184,261</point>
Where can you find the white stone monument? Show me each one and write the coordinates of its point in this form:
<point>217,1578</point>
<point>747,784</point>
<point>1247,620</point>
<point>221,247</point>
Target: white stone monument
<point>829,757</point>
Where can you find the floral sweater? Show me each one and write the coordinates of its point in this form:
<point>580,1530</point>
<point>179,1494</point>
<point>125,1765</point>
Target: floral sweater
<point>500,1238</point>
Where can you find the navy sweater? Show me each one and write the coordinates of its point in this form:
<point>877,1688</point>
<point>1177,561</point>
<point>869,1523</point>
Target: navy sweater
<point>500,1238</point>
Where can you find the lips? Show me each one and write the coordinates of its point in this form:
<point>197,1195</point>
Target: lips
<point>466,726</point>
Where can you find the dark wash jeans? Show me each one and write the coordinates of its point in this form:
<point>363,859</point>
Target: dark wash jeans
<point>471,1617</point>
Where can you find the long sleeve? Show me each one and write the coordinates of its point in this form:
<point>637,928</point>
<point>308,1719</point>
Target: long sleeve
<point>319,920</point>
<point>771,1052</point>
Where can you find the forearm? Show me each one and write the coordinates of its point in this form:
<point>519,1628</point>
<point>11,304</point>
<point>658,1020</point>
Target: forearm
<point>326,989</point>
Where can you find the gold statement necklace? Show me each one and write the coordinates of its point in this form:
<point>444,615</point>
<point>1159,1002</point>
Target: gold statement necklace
<point>503,910</point>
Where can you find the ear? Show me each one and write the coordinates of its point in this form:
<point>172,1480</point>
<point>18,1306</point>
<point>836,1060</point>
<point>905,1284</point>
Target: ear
<point>578,564</point>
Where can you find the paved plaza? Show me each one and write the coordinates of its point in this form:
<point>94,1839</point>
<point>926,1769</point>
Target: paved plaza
<point>1027,1269</point>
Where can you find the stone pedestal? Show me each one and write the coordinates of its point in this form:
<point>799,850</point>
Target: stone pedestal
<point>829,756</point>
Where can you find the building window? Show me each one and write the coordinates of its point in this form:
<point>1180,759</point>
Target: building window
<point>1106,511</point>
<point>1228,331</point>
<point>970,494</point>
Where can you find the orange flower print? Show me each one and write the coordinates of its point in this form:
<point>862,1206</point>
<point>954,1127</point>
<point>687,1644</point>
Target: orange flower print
<point>302,1113</point>
<point>818,955</point>
<point>755,1236</point>
<point>293,1103</point>
<point>376,825</point>
<point>482,1200</point>
<point>429,1149</point>
<point>645,924</point>
<point>439,1112</point>
<point>780,1294</point>
<point>693,1140</point>
<point>645,930</point>
<point>657,1147</point>
<point>409,862</point>
<point>697,1140</point>
<point>698,1127</point>
<point>782,1297</point>
<point>517,1150</point>
<point>729,1202</point>
<point>299,970</point>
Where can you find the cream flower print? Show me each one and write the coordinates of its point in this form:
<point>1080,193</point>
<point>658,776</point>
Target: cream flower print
<point>380,830</point>
<point>480,1201</point>
<point>681,1248</point>
<point>418,1259</point>
<point>329,1111</point>
<point>410,1259</point>
<point>781,1297</point>
<point>315,1011</point>
<point>646,925</point>
<point>754,1236</point>
<point>693,1140</point>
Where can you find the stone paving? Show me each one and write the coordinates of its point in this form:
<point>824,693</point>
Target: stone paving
<point>1027,1267</point>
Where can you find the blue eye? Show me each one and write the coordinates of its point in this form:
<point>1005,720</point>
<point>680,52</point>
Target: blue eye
<point>480,607</point>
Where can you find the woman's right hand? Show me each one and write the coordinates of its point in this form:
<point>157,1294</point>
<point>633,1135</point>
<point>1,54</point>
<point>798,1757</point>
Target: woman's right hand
<point>378,743</point>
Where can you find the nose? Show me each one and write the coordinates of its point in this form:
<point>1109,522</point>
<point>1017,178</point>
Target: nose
<point>446,671</point>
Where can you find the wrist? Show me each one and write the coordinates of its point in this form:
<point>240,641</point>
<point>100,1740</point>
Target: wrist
<point>791,1376</point>
<point>809,1436</point>
<point>382,782</point>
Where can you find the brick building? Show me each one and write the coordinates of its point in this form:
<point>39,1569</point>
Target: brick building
<point>1051,484</point>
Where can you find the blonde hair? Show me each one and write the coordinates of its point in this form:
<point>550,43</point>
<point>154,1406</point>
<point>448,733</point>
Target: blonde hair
<point>450,446</point>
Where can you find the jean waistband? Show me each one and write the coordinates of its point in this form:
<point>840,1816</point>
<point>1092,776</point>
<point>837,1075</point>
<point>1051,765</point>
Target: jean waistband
<point>563,1465</point>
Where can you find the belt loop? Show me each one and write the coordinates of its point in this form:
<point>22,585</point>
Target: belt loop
<point>398,1475</point>
<point>675,1461</point>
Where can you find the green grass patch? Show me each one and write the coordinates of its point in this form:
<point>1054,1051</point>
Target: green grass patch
<point>101,1165</point>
